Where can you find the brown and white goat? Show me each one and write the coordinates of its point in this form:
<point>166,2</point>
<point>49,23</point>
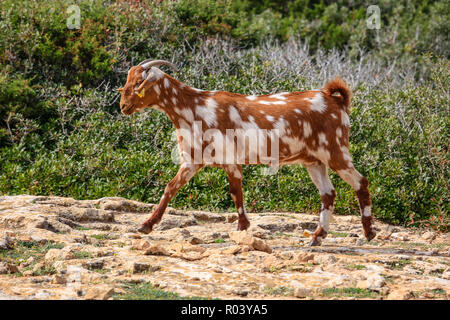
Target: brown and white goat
<point>312,128</point>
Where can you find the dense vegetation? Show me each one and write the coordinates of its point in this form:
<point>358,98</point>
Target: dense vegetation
<point>61,132</point>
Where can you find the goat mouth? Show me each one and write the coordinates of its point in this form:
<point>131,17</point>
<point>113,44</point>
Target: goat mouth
<point>127,109</point>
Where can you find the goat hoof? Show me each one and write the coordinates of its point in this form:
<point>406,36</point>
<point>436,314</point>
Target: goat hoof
<point>315,242</point>
<point>372,234</point>
<point>144,229</point>
<point>243,227</point>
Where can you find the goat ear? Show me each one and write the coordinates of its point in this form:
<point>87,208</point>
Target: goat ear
<point>119,89</point>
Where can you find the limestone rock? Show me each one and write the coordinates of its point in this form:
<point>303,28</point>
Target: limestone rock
<point>195,240</point>
<point>259,232</point>
<point>186,247</point>
<point>186,251</point>
<point>99,293</point>
<point>232,250</point>
<point>29,261</point>
<point>8,268</point>
<point>39,239</point>
<point>59,279</point>
<point>260,245</point>
<point>241,292</point>
<point>94,264</point>
<point>138,267</point>
<point>279,226</point>
<point>140,244</point>
<point>88,215</point>
<point>429,235</point>
<point>27,273</point>
<point>400,294</point>
<point>156,250</point>
<point>132,235</point>
<point>123,205</point>
<point>6,243</point>
<point>38,266</point>
<point>208,216</point>
<point>232,218</point>
<point>372,282</point>
<point>59,254</point>
<point>272,262</point>
<point>60,266</point>
<point>246,238</point>
<point>325,259</point>
<point>303,257</point>
<point>52,255</point>
<point>400,236</point>
<point>173,221</point>
<point>302,292</point>
<point>81,238</point>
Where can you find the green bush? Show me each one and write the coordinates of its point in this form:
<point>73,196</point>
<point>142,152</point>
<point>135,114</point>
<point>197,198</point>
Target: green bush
<point>21,106</point>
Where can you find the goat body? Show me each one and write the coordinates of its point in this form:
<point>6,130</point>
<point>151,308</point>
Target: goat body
<point>224,129</point>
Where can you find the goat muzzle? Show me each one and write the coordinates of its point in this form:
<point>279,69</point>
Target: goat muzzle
<point>126,109</point>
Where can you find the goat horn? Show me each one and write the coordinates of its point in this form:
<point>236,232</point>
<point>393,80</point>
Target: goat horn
<point>148,63</point>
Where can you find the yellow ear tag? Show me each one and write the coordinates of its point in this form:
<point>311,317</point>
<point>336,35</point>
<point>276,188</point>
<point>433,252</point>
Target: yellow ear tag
<point>142,93</point>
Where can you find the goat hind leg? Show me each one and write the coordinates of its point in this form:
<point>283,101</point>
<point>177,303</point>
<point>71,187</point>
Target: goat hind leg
<point>360,184</point>
<point>234,173</point>
<point>319,177</point>
<point>185,173</point>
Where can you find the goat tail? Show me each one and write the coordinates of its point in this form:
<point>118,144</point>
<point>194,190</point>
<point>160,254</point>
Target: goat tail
<point>345,94</point>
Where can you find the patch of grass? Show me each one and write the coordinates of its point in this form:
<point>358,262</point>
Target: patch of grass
<point>23,250</point>
<point>46,270</point>
<point>81,228</point>
<point>437,273</point>
<point>398,264</point>
<point>101,271</point>
<point>441,293</point>
<point>82,255</point>
<point>355,267</point>
<point>338,234</point>
<point>300,268</point>
<point>273,269</point>
<point>388,279</point>
<point>104,237</point>
<point>145,291</point>
<point>349,292</point>
<point>420,245</point>
<point>120,244</point>
<point>220,240</point>
<point>279,291</point>
<point>283,235</point>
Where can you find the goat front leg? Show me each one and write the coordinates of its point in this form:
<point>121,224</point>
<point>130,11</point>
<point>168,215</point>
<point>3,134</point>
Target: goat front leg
<point>319,177</point>
<point>185,173</point>
<point>234,173</point>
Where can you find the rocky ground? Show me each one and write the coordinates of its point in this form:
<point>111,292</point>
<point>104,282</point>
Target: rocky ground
<point>61,248</point>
